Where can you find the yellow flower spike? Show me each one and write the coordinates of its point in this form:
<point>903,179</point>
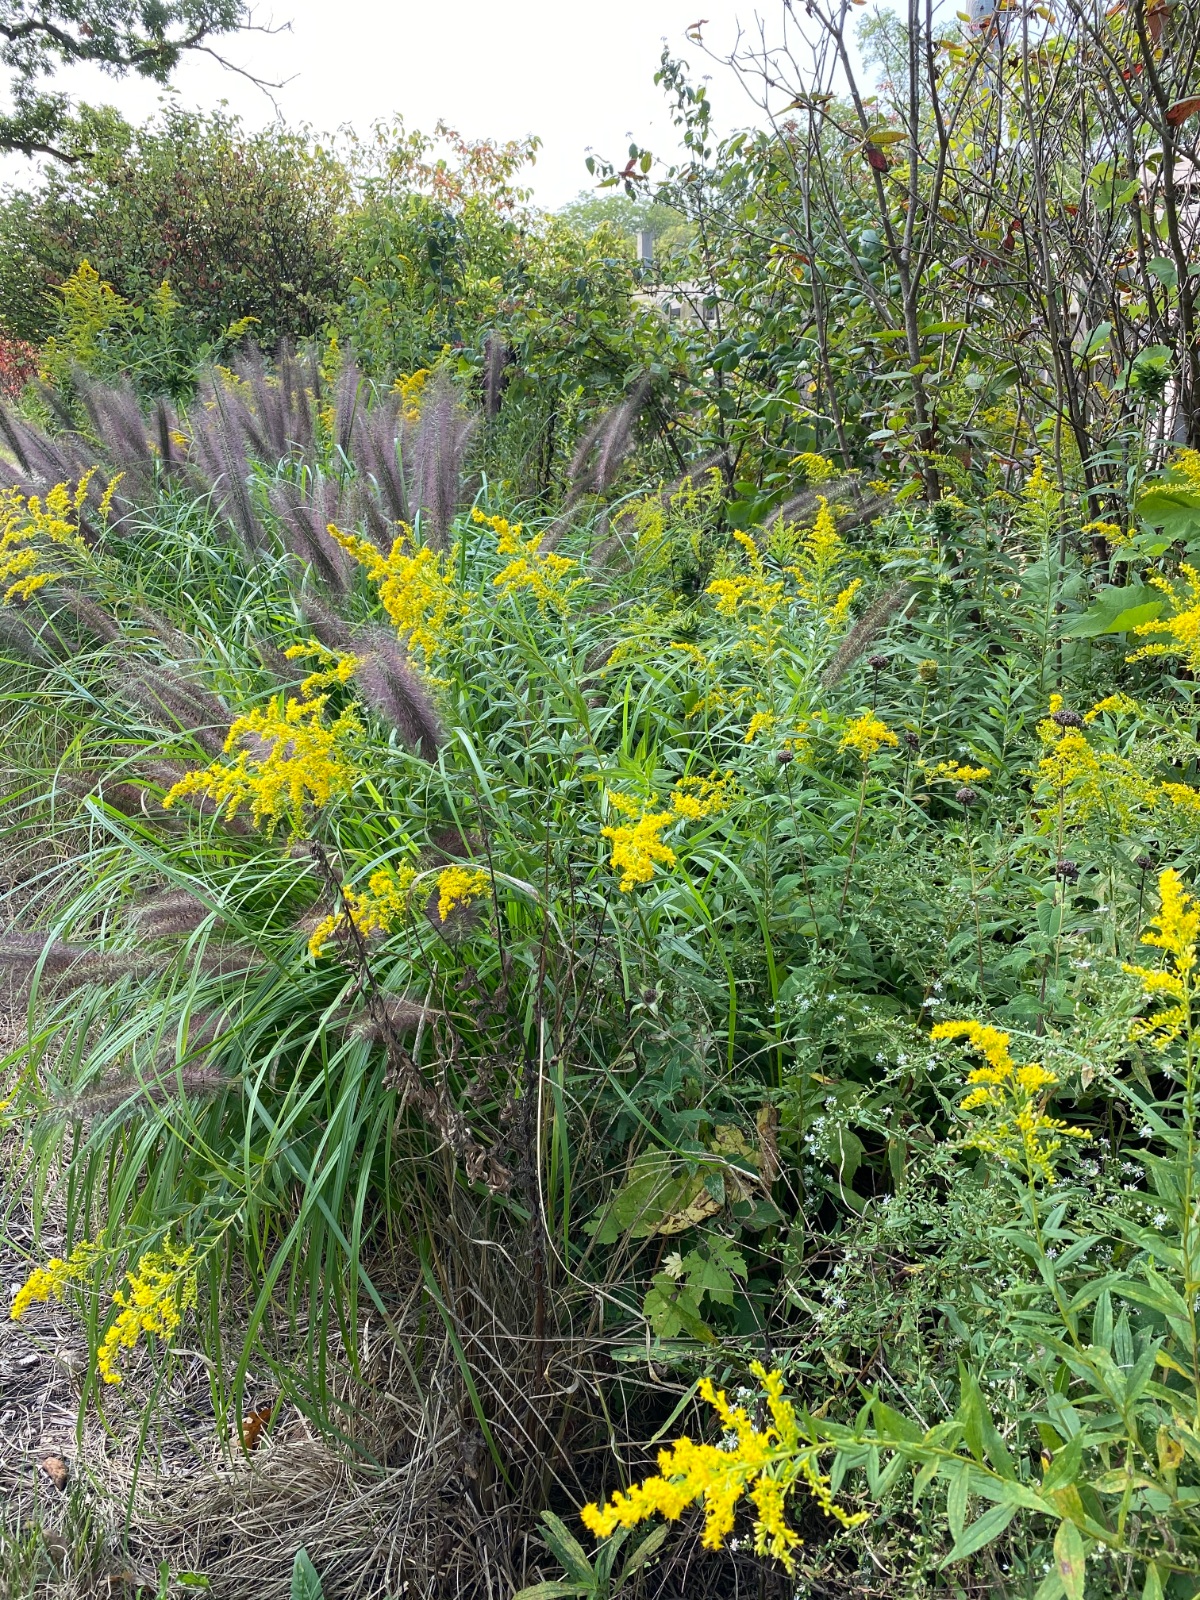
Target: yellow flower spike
<point>416,587</point>
<point>764,1466</point>
<point>1175,931</point>
<point>1015,1127</point>
<point>760,722</point>
<point>284,760</point>
<point>867,734</point>
<point>50,1281</point>
<point>378,909</point>
<point>1183,624</point>
<point>458,886</point>
<point>158,1290</point>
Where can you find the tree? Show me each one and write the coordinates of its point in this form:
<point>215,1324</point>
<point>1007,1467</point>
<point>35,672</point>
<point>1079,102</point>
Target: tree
<point>146,37</point>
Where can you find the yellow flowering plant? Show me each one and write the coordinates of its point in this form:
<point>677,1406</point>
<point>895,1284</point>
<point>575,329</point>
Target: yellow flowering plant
<point>765,1466</point>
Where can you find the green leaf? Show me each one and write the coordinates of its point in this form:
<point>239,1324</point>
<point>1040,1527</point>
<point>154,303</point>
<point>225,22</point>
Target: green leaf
<point>1172,507</point>
<point>981,1532</point>
<point>892,1425</point>
<point>1117,610</point>
<point>642,1551</point>
<point>956,1499</point>
<point>1152,1589</point>
<point>567,1548</point>
<point>1070,1559</point>
<point>1065,1463</point>
<point>554,1590</point>
<point>305,1583</point>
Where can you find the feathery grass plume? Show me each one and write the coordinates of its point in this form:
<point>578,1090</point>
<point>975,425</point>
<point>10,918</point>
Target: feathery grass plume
<point>599,454</point>
<point>174,703</point>
<point>171,450</point>
<point>872,622</point>
<point>496,357</point>
<point>304,514</point>
<point>403,1016</point>
<point>349,398</point>
<point>127,798</point>
<point>93,616</point>
<point>280,425</point>
<point>117,1092</point>
<point>30,640</point>
<point>375,451</point>
<point>393,687</point>
<point>221,463</point>
<point>170,915</point>
<point>434,453</point>
<point>386,677</point>
<point>117,422</point>
<point>71,966</point>
<point>856,503</point>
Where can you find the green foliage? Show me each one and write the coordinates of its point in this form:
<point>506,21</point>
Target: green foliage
<point>241,225</point>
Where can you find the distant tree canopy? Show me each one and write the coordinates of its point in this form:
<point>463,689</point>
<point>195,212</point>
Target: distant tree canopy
<point>146,37</point>
<point>240,224</point>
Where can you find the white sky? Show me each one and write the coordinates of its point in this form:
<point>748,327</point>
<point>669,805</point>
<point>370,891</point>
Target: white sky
<point>578,75</point>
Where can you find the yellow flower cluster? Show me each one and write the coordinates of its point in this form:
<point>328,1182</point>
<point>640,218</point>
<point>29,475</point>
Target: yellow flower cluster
<point>816,468</point>
<point>1183,625</point>
<point>286,759</point>
<point>1085,781</point>
<point>1187,463</point>
<point>768,1466</point>
<point>547,576</point>
<point>1018,1131</point>
<point>867,734</point>
<point>695,798</point>
<point>377,909</point>
<point>1175,931</point>
<point>817,569</point>
<point>954,772</point>
<point>752,591</point>
<point>53,1278</point>
<point>333,667</point>
<point>410,386</point>
<point>158,1291</point>
<point>1113,705</point>
<point>458,886</point>
<point>636,846</point>
<point>33,531</point>
<point>416,588</point>
<point>760,722</point>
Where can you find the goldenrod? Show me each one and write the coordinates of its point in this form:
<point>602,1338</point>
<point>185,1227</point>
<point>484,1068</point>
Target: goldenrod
<point>767,1466</point>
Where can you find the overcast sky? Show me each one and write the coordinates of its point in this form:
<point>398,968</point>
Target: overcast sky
<point>577,75</point>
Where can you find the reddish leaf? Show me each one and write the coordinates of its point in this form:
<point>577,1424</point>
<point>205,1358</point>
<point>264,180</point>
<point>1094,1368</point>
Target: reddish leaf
<point>876,157</point>
<point>1183,109</point>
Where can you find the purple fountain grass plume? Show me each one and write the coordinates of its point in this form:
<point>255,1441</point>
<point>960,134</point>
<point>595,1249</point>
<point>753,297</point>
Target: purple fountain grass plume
<point>380,531</point>
<point>30,640</point>
<point>304,515</point>
<point>169,915</point>
<point>349,397</point>
<point>387,679</point>
<point>220,462</point>
<point>403,1016</point>
<point>174,703</point>
<point>394,688</point>
<point>279,426</point>
<point>374,449</point>
<point>130,799</point>
<point>434,452</point>
<point>171,454</point>
<point>872,623</point>
<point>496,357</point>
<point>115,1092</point>
<point>604,446</point>
<point>93,616</point>
<point>118,424</point>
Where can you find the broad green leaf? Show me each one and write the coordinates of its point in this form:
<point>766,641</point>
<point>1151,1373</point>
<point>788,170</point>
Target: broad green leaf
<point>1117,610</point>
<point>563,1543</point>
